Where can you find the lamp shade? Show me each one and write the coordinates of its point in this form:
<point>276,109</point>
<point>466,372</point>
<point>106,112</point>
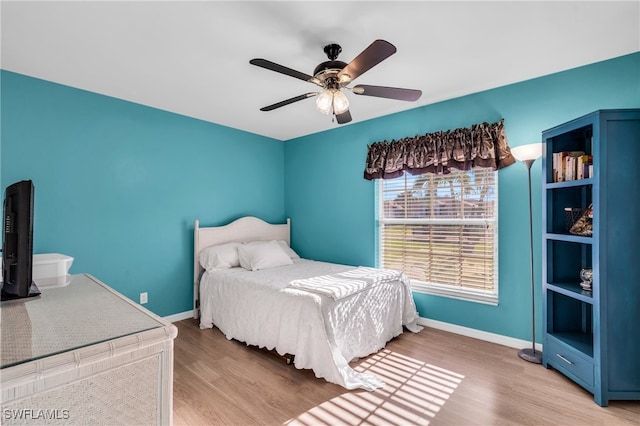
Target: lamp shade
<point>529,152</point>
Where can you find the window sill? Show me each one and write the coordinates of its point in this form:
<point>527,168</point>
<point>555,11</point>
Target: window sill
<point>455,293</point>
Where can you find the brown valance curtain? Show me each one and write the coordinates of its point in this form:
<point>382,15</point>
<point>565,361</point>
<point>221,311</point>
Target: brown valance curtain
<point>481,145</point>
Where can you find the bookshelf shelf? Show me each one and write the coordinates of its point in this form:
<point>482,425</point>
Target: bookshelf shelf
<point>572,290</point>
<point>570,183</point>
<point>569,238</point>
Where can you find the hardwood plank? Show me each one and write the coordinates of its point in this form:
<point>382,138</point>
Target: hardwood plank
<point>432,377</point>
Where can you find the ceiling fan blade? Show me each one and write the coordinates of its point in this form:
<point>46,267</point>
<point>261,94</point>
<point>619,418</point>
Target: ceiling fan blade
<point>283,70</point>
<point>387,92</point>
<point>288,101</point>
<point>377,52</point>
<point>343,118</point>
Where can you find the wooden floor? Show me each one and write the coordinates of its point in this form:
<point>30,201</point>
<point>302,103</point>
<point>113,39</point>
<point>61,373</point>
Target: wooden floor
<point>432,377</point>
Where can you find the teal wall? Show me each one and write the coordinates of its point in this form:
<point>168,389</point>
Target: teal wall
<point>332,206</point>
<point>118,185</point>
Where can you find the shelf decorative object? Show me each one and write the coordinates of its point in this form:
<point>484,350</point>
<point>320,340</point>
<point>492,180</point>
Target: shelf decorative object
<point>591,296</point>
<point>583,225</point>
<point>586,275</point>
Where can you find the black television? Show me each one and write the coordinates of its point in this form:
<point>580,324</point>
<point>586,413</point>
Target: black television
<point>17,242</point>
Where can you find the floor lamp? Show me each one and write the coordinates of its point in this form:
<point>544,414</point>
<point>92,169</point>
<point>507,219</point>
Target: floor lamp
<point>528,154</point>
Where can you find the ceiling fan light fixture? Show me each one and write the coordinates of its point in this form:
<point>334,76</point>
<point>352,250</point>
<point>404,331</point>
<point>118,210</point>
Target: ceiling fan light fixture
<point>324,101</point>
<point>340,102</point>
<point>344,78</point>
<point>332,100</point>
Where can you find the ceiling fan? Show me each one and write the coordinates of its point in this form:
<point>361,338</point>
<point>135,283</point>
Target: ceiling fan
<point>333,76</point>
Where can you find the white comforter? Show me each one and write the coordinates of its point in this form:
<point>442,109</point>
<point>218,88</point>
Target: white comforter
<point>261,308</point>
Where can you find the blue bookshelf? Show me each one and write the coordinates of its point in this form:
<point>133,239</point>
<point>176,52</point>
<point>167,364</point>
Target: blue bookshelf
<point>593,337</point>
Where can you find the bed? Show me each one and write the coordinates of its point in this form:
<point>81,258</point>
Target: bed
<point>255,289</point>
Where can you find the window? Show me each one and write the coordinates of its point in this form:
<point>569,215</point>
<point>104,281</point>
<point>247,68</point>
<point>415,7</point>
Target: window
<point>442,231</point>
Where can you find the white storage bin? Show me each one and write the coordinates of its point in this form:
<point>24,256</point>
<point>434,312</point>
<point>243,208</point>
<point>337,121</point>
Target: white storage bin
<point>51,265</point>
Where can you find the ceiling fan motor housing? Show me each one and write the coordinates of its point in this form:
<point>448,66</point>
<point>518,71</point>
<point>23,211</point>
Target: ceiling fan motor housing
<point>329,65</point>
<point>327,71</point>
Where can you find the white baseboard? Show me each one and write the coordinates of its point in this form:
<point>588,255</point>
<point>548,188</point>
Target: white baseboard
<point>445,326</point>
<point>179,317</point>
<point>478,334</point>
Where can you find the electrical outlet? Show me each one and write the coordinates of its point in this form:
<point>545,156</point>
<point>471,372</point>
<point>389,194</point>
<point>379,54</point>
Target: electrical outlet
<point>143,298</point>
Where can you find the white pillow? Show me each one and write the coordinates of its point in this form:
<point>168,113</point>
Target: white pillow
<point>262,255</point>
<point>220,256</point>
<point>292,254</point>
<point>283,244</point>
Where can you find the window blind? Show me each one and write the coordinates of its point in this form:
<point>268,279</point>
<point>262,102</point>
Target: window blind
<point>441,230</point>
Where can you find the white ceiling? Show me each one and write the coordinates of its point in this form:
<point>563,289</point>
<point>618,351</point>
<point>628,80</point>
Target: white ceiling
<point>192,58</point>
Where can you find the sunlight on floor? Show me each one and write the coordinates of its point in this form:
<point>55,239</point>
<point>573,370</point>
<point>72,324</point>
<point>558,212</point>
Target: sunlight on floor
<point>413,394</point>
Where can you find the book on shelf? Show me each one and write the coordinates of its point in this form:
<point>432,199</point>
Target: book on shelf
<point>571,165</point>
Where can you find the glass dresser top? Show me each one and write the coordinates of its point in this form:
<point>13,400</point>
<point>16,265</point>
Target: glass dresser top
<point>81,313</point>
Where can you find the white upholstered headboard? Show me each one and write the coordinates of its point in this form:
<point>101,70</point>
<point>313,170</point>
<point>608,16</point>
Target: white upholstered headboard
<point>245,229</point>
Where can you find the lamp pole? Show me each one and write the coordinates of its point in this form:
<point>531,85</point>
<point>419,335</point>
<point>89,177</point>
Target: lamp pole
<point>527,154</point>
<point>527,354</point>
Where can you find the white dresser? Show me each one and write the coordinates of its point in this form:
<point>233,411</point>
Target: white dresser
<point>84,354</point>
